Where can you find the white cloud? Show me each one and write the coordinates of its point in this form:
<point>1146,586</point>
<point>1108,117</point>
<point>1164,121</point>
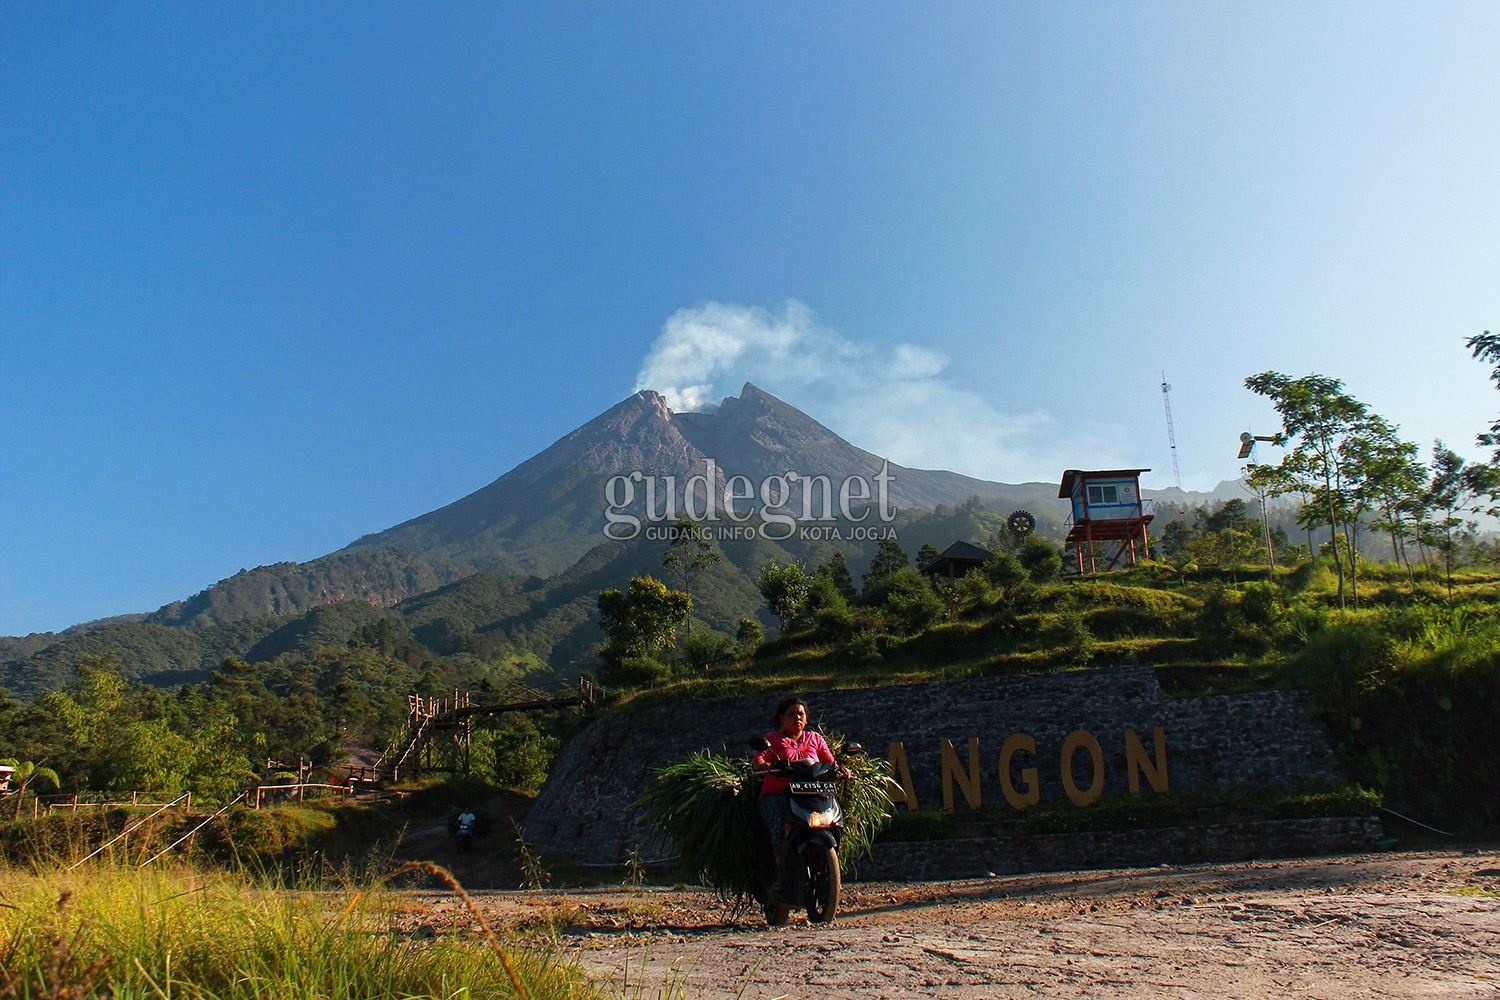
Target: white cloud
<point>895,403</point>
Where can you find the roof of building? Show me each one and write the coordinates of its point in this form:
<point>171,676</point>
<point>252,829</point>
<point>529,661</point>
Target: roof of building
<point>959,553</point>
<point>1071,477</point>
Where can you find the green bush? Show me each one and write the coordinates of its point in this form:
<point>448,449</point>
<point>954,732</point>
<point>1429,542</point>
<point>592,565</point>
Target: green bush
<point>703,649</point>
<point>1005,570</point>
<point>636,671</point>
<point>1041,558</point>
<point>519,751</point>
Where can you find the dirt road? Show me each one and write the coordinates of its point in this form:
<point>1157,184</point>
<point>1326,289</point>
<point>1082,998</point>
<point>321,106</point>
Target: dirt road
<point>1390,925</point>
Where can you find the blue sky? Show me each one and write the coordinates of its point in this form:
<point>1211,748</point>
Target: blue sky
<point>272,277</point>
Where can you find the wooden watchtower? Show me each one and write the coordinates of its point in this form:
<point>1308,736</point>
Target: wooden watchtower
<point>1107,507</point>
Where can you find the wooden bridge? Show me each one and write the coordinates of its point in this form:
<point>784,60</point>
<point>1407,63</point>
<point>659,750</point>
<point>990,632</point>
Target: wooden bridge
<point>454,717</point>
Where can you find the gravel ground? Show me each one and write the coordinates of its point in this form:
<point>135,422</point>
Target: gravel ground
<point>1384,925</point>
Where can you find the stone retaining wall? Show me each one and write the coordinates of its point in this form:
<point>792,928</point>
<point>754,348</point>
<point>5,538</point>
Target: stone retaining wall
<point>930,860</point>
<point>584,811</point>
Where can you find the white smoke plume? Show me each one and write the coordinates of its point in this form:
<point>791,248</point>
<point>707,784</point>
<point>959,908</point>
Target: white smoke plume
<point>895,403</point>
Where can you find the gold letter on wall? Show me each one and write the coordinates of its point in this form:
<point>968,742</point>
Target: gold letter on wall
<point>1033,793</point>
<point>900,786</point>
<point>1082,738</point>
<point>967,780</point>
<point>1136,761</point>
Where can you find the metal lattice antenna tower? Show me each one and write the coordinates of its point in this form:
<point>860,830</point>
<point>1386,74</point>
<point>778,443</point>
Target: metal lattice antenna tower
<point>1166,400</point>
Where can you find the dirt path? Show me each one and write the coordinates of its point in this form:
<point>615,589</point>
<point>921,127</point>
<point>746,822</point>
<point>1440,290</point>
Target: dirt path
<point>1405,925</point>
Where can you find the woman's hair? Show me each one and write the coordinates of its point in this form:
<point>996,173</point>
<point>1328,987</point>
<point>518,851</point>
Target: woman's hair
<point>782,706</point>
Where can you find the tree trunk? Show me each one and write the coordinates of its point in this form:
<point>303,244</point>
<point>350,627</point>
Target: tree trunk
<point>1351,530</point>
<point>1333,523</point>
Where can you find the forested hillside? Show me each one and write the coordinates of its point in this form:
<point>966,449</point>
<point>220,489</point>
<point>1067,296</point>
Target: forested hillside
<point>483,614</point>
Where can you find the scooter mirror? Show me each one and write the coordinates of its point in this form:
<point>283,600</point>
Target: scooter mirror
<point>760,743</point>
<point>854,750</point>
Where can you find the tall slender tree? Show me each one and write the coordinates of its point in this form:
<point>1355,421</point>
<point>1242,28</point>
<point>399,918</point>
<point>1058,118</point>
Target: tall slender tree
<point>689,553</point>
<point>1455,488</point>
<point>1321,419</point>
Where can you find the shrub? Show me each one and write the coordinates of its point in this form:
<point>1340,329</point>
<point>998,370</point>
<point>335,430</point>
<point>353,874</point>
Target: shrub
<point>704,648</point>
<point>1041,558</point>
<point>636,671</point>
<point>522,753</point>
<point>1005,570</point>
<point>909,598</point>
<point>748,636</point>
<point>864,648</point>
<point>825,610</point>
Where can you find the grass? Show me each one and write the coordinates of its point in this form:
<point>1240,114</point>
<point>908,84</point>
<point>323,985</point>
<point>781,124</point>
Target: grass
<point>186,932</point>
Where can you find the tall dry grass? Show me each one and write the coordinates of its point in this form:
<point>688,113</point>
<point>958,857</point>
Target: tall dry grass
<point>186,932</point>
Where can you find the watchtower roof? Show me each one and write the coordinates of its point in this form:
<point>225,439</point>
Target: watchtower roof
<point>1072,476</point>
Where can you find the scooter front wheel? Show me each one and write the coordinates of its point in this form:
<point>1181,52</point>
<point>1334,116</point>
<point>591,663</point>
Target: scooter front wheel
<point>777,913</point>
<point>826,881</point>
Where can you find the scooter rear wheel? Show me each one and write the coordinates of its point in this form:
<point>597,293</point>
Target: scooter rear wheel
<point>826,881</point>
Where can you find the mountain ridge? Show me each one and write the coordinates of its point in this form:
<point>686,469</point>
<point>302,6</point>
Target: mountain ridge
<point>536,530</point>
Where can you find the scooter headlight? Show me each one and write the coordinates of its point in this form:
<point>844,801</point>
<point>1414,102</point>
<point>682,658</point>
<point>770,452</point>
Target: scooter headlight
<point>818,820</point>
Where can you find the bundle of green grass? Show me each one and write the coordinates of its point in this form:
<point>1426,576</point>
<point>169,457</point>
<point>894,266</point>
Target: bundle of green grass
<point>707,805</point>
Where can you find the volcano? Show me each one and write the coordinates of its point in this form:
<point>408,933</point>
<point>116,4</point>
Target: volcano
<point>543,515</point>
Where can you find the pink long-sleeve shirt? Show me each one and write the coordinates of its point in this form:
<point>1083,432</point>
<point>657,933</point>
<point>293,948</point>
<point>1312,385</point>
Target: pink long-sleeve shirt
<point>808,746</point>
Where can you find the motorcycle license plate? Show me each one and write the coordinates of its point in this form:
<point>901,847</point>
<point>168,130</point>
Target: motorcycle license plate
<point>813,788</point>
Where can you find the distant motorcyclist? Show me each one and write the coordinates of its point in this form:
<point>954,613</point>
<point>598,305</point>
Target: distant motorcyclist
<point>790,741</point>
<point>464,829</point>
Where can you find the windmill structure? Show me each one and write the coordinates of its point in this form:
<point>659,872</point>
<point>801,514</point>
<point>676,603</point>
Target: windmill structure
<point>1248,442</point>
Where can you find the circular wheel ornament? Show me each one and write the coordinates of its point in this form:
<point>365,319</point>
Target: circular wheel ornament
<point>1021,523</point>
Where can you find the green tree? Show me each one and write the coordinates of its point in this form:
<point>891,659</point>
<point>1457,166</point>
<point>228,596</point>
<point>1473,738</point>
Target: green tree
<point>784,588</point>
<point>1266,482</point>
<point>689,552</point>
<point>519,752</point>
<point>1232,514</point>
<point>1175,537</point>
<point>836,568</point>
<point>889,557</point>
<point>1486,347</point>
<point>1321,419</point>
<point>1454,489</point>
<point>926,554</point>
<point>643,621</point>
<point>1391,481</point>
<point>748,636</point>
<point>25,773</point>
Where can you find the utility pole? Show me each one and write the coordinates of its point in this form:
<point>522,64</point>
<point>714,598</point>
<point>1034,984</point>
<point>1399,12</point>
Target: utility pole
<point>1166,399</point>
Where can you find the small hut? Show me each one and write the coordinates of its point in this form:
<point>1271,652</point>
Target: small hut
<point>1106,508</point>
<point>956,560</point>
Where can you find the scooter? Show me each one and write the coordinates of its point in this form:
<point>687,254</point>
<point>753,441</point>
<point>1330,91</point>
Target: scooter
<point>809,865</point>
<point>463,831</point>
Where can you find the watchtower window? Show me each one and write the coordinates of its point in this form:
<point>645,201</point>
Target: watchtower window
<point>1104,494</point>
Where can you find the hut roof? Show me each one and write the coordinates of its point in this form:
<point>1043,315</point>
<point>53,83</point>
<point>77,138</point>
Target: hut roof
<point>957,559</point>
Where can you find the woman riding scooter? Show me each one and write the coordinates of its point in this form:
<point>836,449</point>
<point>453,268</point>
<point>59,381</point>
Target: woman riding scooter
<point>790,743</point>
